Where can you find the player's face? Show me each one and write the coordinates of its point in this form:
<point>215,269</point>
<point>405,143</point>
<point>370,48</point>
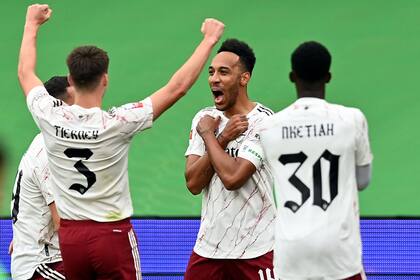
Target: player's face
<point>224,79</point>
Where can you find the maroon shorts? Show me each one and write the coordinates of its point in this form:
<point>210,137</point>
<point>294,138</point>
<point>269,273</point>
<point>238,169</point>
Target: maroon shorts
<point>53,271</point>
<point>355,277</point>
<point>200,268</point>
<point>93,250</point>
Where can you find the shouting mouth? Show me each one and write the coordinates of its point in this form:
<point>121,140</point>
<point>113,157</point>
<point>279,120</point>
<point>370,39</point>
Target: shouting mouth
<point>218,96</point>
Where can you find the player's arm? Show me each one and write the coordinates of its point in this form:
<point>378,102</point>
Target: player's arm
<point>185,77</point>
<point>363,176</point>
<point>36,15</point>
<point>10,251</point>
<point>233,172</point>
<point>363,152</point>
<point>55,216</point>
<point>198,169</point>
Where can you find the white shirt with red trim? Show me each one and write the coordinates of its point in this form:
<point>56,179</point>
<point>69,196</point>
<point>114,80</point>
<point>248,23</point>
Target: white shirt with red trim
<point>313,148</point>
<point>236,224</point>
<point>34,239</point>
<point>88,154</point>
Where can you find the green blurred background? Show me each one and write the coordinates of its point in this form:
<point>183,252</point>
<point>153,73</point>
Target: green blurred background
<point>376,56</point>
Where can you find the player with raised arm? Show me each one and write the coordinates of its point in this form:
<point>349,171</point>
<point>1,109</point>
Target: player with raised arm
<point>88,150</point>
<point>35,252</point>
<point>320,155</point>
<point>236,235</point>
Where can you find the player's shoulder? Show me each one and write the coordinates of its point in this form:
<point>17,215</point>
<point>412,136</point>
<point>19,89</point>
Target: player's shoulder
<point>343,108</point>
<point>263,110</point>
<point>35,154</point>
<point>211,110</point>
<point>37,144</point>
<point>349,112</point>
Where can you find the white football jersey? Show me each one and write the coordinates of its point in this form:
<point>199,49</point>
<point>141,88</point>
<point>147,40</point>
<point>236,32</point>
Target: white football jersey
<point>236,224</point>
<point>88,154</point>
<point>313,148</point>
<point>34,239</point>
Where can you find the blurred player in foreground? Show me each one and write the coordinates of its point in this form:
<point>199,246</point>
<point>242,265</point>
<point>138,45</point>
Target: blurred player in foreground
<point>320,156</point>
<point>88,150</point>
<point>236,236</point>
<point>2,168</point>
<point>35,251</point>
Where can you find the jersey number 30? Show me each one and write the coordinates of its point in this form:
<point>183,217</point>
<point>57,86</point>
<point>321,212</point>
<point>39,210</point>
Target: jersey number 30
<point>90,176</point>
<point>317,179</point>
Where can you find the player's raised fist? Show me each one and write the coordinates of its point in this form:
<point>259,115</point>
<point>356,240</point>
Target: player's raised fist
<point>38,14</point>
<point>212,29</point>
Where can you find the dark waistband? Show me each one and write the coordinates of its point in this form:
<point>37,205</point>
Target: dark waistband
<point>82,223</point>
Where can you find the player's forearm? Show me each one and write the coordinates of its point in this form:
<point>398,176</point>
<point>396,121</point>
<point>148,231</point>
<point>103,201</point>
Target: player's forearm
<point>198,175</point>
<point>363,176</point>
<point>224,165</point>
<point>185,77</point>
<point>27,57</point>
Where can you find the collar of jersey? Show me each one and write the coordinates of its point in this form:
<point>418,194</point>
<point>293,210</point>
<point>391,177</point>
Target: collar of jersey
<point>310,100</point>
<point>86,109</point>
<point>249,113</point>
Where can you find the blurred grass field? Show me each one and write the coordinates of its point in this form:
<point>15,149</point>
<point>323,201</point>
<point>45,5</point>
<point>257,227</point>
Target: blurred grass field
<point>376,56</point>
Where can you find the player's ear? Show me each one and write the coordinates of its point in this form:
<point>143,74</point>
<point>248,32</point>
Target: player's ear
<point>70,80</point>
<point>328,78</point>
<point>292,77</point>
<point>70,95</point>
<point>105,80</point>
<point>245,78</point>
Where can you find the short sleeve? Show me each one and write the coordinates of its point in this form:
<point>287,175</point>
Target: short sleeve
<point>196,144</point>
<point>136,116</point>
<point>363,151</point>
<point>41,104</point>
<point>252,150</point>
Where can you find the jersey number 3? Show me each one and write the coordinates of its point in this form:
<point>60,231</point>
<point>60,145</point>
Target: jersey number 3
<point>90,176</point>
<point>317,179</point>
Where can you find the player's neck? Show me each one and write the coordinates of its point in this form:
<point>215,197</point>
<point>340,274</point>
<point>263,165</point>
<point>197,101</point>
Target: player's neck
<point>315,94</point>
<point>242,106</point>
<point>88,99</point>
<point>316,90</point>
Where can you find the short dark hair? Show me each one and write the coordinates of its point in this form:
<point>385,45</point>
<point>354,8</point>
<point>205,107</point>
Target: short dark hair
<point>311,61</point>
<point>241,49</point>
<point>57,86</point>
<point>86,65</point>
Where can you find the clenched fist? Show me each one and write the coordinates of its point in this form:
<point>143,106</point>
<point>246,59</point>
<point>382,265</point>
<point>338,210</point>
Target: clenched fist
<point>37,14</point>
<point>212,29</point>
<point>208,124</point>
